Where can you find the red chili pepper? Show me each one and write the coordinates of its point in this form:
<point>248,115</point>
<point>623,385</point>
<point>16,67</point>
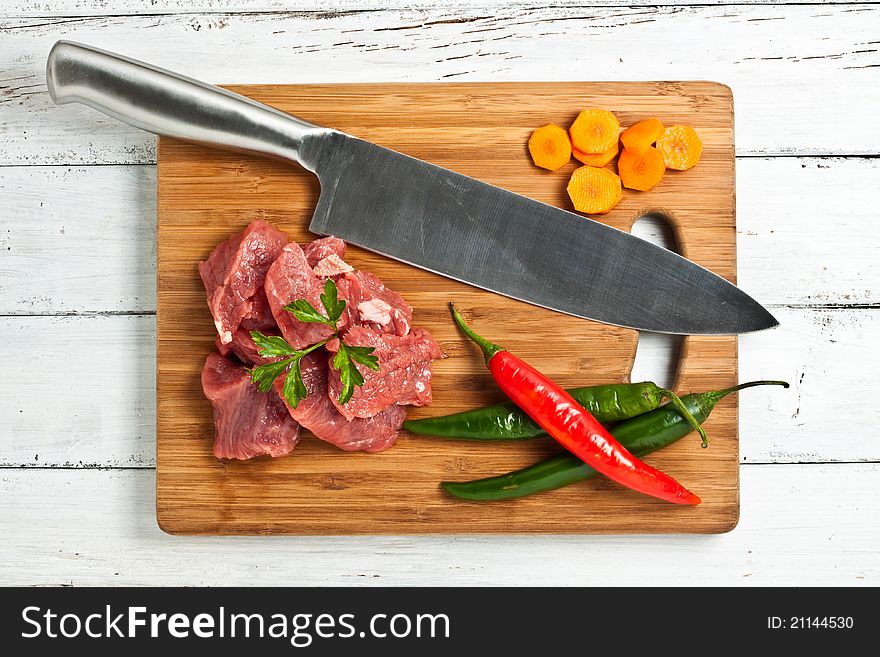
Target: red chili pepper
<point>571,425</point>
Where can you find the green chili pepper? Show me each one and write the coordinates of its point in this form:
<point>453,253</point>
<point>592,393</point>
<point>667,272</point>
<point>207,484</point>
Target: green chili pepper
<point>640,435</point>
<point>607,403</point>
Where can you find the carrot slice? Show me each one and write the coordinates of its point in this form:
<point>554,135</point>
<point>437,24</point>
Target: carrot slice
<point>550,147</point>
<point>641,172</point>
<point>639,137</point>
<point>594,190</point>
<point>595,159</point>
<point>594,131</point>
<point>680,146</point>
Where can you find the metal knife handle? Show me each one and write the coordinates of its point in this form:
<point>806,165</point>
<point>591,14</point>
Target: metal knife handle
<point>169,104</point>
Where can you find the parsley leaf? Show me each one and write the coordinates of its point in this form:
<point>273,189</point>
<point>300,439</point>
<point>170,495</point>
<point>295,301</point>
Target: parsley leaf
<point>345,361</point>
<point>264,375</point>
<point>332,304</point>
<point>294,388</point>
<point>349,375</point>
<point>363,355</point>
<point>271,346</point>
<point>305,312</point>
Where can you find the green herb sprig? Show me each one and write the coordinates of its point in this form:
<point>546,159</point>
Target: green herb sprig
<point>345,360</point>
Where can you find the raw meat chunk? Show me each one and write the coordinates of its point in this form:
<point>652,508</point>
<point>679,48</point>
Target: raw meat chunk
<point>369,302</point>
<point>372,304</point>
<point>234,273</point>
<point>247,422</point>
<point>242,346</point>
<point>249,279</point>
<point>322,248</point>
<point>318,414</point>
<point>291,278</point>
<point>325,257</point>
<point>404,375</point>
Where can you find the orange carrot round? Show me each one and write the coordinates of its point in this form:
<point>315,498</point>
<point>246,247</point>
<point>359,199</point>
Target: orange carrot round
<point>639,137</point>
<point>594,190</point>
<point>680,146</point>
<point>550,147</point>
<point>595,159</point>
<point>641,172</point>
<point>594,131</point>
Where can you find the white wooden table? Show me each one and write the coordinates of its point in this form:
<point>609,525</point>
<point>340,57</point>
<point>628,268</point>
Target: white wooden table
<point>77,280</point>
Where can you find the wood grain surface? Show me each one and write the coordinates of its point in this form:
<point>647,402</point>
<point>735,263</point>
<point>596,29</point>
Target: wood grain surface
<point>478,130</point>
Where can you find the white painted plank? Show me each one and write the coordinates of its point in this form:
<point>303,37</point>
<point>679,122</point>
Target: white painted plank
<point>78,239</point>
<point>800,526</point>
<point>53,8</point>
<point>87,398</point>
<point>803,76</point>
<point>831,359</point>
<point>78,391</point>
<point>807,235</point>
<point>807,231</point>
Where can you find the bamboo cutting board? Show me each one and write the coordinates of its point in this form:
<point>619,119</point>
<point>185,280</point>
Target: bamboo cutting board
<point>479,130</point>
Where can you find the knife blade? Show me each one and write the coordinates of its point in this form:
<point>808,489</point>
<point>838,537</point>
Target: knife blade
<point>423,214</point>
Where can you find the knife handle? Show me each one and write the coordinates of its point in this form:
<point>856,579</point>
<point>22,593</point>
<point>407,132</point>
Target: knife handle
<point>172,105</point>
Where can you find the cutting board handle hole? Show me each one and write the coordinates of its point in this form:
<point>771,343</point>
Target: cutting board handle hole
<point>658,356</point>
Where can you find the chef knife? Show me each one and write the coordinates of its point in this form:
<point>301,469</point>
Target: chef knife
<point>423,214</point>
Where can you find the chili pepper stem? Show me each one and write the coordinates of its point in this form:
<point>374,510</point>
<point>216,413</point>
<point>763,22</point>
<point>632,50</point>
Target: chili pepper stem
<point>675,400</point>
<point>718,395</point>
<point>715,398</point>
<point>721,394</point>
<point>489,348</point>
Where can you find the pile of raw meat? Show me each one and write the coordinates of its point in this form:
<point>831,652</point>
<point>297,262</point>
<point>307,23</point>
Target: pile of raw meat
<point>249,279</point>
